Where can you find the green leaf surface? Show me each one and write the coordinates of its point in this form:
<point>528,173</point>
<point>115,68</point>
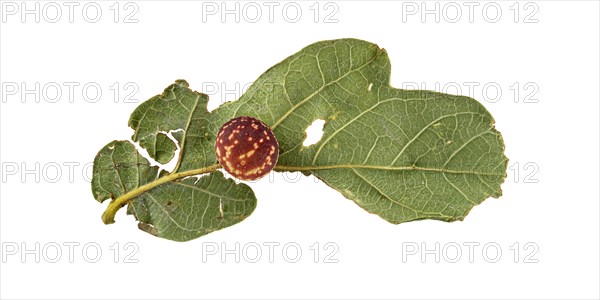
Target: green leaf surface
<point>184,210</point>
<point>401,154</point>
<point>178,210</point>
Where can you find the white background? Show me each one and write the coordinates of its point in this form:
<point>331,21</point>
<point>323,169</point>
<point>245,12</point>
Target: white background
<point>550,208</point>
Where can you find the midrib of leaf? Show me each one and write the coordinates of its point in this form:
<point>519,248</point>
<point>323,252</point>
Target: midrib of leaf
<point>185,132</point>
<point>113,207</point>
<point>376,167</point>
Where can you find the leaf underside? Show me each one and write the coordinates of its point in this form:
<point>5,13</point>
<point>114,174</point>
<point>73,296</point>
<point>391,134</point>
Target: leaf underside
<point>186,209</point>
<point>401,154</point>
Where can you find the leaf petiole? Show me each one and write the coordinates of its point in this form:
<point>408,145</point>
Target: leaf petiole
<point>108,217</point>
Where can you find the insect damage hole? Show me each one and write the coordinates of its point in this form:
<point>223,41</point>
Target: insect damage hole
<point>221,213</point>
<point>314,132</point>
<point>173,162</point>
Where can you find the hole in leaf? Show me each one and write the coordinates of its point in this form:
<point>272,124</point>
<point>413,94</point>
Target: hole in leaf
<point>170,134</point>
<point>221,213</point>
<point>169,166</point>
<point>314,132</point>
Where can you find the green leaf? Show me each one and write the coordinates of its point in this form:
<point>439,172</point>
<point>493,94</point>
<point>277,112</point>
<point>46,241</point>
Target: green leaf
<point>172,205</point>
<point>401,154</point>
<point>167,207</point>
<point>184,210</point>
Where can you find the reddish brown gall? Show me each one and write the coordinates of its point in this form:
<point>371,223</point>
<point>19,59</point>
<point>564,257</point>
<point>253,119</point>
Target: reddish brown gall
<point>246,148</point>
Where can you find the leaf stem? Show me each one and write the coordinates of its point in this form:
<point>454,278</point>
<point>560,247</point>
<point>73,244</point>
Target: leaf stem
<point>108,217</point>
